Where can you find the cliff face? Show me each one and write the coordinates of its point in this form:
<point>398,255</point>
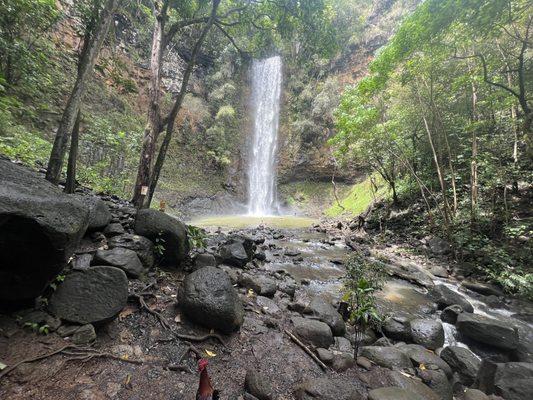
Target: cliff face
<point>304,152</point>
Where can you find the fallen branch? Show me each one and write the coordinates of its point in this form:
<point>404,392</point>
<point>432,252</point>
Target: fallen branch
<point>307,350</point>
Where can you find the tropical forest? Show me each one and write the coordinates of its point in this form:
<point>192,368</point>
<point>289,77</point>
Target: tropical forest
<point>266,199</point>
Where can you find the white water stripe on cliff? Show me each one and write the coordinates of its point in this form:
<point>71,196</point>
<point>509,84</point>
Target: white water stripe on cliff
<point>266,92</point>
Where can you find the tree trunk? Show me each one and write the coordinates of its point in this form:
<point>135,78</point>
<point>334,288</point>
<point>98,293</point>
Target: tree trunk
<point>153,126</point>
<point>473,163</point>
<point>177,104</point>
<point>85,69</point>
<point>70,185</point>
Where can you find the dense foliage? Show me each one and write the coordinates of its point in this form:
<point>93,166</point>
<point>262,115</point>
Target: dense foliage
<point>445,114</point>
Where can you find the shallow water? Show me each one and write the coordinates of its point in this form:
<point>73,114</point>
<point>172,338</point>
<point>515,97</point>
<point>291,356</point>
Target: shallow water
<point>250,221</point>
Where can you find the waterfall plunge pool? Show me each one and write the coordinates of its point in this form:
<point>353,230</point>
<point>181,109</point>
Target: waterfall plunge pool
<point>252,221</point>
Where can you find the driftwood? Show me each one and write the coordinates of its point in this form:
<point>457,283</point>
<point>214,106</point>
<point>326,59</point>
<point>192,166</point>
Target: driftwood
<point>307,350</point>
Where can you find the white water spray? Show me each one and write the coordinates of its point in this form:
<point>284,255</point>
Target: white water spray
<point>266,92</point>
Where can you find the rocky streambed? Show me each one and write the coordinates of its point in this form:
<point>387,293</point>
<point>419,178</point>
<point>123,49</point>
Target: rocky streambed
<point>135,307</point>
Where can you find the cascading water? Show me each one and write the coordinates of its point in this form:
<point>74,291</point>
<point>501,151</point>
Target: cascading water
<point>266,92</point>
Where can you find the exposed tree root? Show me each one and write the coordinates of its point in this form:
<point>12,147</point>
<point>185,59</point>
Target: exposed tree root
<point>74,353</point>
<point>144,306</point>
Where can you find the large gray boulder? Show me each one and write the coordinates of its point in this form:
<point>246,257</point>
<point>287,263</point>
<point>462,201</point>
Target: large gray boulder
<point>314,332</point>
<point>397,327</point>
<point>488,331</point>
<point>40,227</point>
<point>328,389</point>
<point>444,297</point>
<point>139,244</point>
<point>512,381</point>
<point>388,357</point>
<point>462,361</point>
<point>398,379</point>
<point>208,298</point>
<point>164,230</point>
<point>99,214</point>
<point>420,355</point>
<point>325,312</point>
<point>436,380</point>
<point>236,251</point>
<point>428,333</point>
<point>125,259</point>
<point>91,296</point>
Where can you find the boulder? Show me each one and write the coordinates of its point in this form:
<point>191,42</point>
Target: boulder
<point>342,362</point>
<point>92,296</point>
<point>328,389</point>
<point>260,284</point>
<point>84,335</point>
<point>141,245</point>
<point>462,361</point>
<point>397,327</point>
<point>99,214</point>
<point>474,394</point>
<point>40,227</point>
<point>398,379</point>
<point>114,229</point>
<point>488,331</point>
<point>428,333</point>
<point>165,231</point>
<point>393,393</point>
<point>420,355</point>
<point>257,385</point>
<point>444,297</point>
<point>388,357</point>
<point>314,332</point>
<point>125,259</point>
<point>325,312</point>
<point>208,298</point>
<point>512,380</point>
<point>483,288</point>
<point>450,314</point>
<point>234,252</point>
<point>268,306</point>
<point>436,380</point>
<point>204,260</point>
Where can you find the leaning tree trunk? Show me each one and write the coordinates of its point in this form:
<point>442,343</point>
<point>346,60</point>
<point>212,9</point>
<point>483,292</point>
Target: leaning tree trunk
<point>153,126</point>
<point>177,104</point>
<point>70,185</point>
<point>85,69</point>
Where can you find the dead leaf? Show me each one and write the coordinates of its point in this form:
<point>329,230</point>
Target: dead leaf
<point>422,367</point>
<point>128,310</point>
<point>127,382</point>
<point>178,318</point>
<point>210,353</point>
<point>250,293</point>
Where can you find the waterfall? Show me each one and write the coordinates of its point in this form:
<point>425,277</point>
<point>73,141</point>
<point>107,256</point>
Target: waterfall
<point>266,91</point>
